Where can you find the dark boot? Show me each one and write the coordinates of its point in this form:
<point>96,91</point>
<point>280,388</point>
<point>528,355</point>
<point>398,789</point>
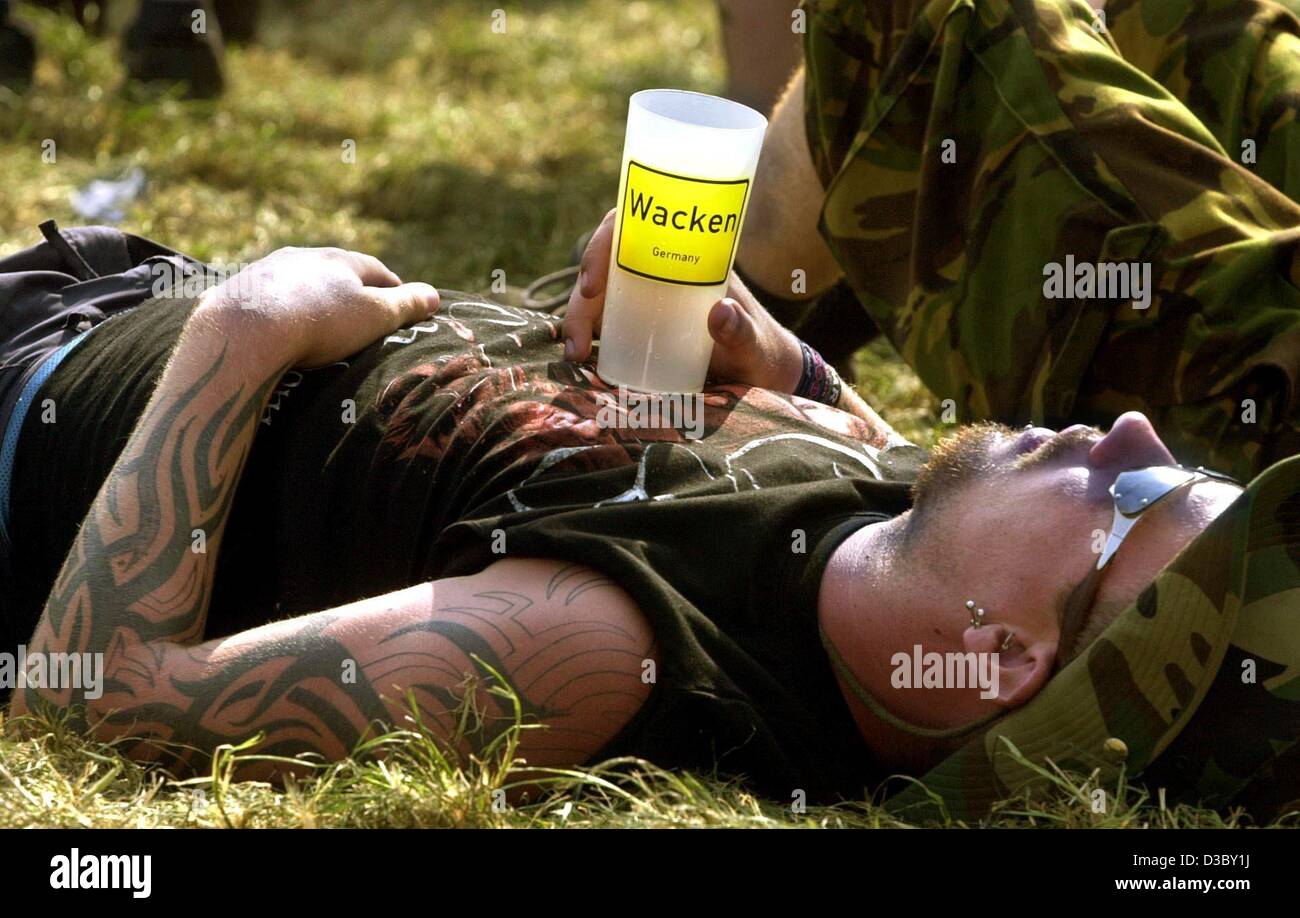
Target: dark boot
<point>238,19</point>
<point>17,52</point>
<point>161,46</point>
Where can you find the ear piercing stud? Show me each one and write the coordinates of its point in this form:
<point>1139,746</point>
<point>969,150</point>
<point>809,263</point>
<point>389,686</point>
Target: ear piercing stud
<point>977,620</point>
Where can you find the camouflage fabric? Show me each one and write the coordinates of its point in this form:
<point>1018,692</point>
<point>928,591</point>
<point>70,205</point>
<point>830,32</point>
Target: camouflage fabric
<point>1196,687</point>
<point>965,145</point>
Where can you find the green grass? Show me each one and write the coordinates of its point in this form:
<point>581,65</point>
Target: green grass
<point>51,775</point>
<point>475,152</point>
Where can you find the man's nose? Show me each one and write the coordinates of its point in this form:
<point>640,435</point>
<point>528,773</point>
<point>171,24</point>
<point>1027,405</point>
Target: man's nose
<point>1132,443</point>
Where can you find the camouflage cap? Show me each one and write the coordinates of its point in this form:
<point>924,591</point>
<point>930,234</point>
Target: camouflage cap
<point>1196,686</point>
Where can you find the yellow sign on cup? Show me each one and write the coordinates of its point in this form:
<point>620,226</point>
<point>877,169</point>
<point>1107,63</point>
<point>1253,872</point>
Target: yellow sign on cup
<point>678,229</point>
<point>688,163</point>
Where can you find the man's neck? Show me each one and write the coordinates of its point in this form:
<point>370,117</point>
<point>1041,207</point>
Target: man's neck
<point>854,566</point>
<point>860,639</point>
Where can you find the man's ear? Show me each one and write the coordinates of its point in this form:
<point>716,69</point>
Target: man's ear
<point>1020,671</point>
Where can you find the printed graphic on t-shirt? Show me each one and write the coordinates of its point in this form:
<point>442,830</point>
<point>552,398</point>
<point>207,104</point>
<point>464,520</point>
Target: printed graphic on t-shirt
<point>494,387</point>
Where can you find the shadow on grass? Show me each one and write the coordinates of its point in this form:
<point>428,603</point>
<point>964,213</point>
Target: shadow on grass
<point>539,213</point>
<point>351,37</point>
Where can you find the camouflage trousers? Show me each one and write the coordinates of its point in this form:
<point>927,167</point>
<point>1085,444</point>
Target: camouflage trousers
<point>1057,217</point>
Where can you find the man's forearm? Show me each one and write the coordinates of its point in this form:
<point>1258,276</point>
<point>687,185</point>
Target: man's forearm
<point>781,226</point>
<point>141,568</point>
<point>854,404</point>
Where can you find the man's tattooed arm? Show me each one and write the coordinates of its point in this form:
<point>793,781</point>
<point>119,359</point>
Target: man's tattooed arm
<point>137,583</point>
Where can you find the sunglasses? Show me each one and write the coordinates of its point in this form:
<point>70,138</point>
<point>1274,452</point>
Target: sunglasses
<point>1134,493</point>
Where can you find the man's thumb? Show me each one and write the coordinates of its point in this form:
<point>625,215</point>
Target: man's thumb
<point>730,326</point>
<point>412,302</point>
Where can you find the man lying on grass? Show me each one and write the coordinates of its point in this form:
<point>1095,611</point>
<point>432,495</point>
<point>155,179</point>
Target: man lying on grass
<point>315,496</point>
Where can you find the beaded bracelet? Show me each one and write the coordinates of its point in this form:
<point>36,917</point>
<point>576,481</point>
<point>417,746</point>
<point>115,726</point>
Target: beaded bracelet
<point>819,380</point>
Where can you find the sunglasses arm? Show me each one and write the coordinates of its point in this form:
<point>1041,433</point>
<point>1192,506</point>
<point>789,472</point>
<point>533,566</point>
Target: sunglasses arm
<point>1119,528</point>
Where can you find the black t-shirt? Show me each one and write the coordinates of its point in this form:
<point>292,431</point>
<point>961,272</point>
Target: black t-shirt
<point>429,452</point>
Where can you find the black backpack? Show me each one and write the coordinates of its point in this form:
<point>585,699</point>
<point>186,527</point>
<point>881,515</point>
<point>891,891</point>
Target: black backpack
<point>49,295</point>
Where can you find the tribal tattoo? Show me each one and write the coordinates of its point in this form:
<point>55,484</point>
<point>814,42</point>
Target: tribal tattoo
<point>137,584</point>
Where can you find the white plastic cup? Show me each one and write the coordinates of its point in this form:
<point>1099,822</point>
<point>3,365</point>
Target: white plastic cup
<point>688,166</point>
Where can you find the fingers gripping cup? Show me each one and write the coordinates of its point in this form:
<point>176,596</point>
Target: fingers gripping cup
<point>688,164</point>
